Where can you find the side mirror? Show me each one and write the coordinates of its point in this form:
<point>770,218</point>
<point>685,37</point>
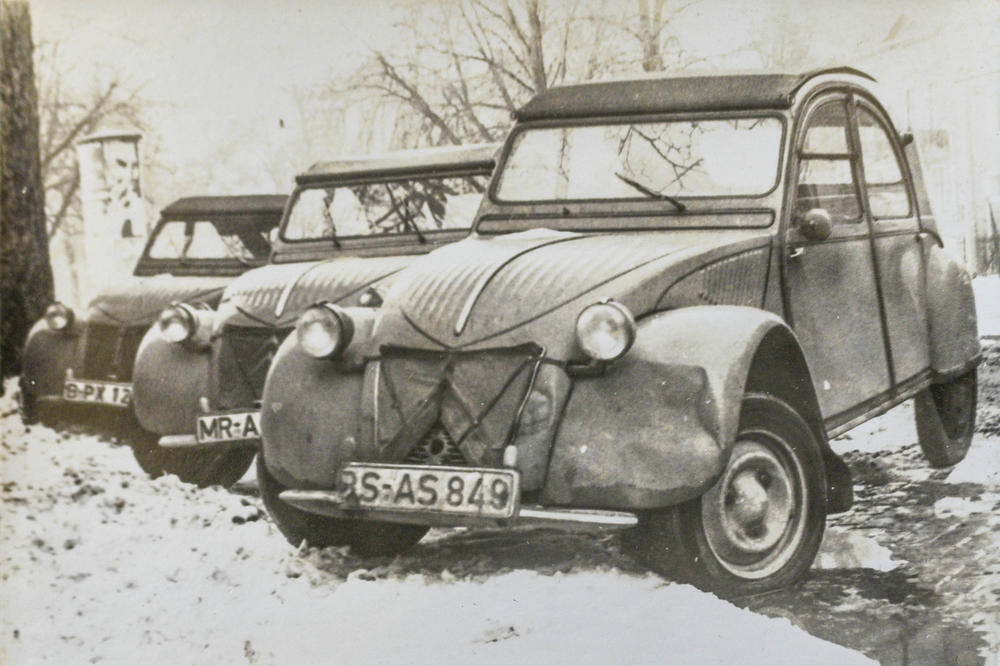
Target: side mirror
<point>906,138</point>
<point>815,224</point>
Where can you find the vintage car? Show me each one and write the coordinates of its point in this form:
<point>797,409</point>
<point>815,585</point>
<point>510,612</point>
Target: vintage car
<point>677,291</point>
<point>78,366</point>
<point>351,226</point>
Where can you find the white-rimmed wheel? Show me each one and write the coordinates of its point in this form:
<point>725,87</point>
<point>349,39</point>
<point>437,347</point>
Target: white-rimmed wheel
<point>760,526</point>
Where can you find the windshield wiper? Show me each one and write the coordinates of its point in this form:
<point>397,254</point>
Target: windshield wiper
<point>636,185</point>
<point>404,213</point>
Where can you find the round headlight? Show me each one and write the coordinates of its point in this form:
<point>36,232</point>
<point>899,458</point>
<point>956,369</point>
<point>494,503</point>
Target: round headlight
<point>58,317</point>
<point>605,330</point>
<point>177,323</point>
<point>324,330</point>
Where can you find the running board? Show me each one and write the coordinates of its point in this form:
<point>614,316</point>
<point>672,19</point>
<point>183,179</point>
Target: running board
<point>330,503</point>
<point>191,442</point>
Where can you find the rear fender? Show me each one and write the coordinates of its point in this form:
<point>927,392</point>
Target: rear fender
<point>167,381</point>
<point>47,356</point>
<point>951,315</point>
<point>658,427</point>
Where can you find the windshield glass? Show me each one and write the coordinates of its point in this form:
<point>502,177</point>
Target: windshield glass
<point>677,158</point>
<point>210,239</point>
<point>379,209</point>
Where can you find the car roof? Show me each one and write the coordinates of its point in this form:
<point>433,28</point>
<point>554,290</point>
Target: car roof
<point>472,157</point>
<point>209,206</point>
<point>677,94</point>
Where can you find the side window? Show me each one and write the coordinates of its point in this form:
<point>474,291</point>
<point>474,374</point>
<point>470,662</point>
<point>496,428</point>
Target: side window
<point>825,178</point>
<point>887,195</point>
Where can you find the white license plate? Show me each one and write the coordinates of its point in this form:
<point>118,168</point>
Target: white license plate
<point>115,394</point>
<point>228,427</point>
<point>482,492</point>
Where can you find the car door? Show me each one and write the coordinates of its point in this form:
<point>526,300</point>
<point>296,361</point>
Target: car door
<point>892,215</point>
<point>831,291</point>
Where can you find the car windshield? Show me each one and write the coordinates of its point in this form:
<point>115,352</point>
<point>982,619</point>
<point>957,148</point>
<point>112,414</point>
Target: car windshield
<point>383,208</point>
<point>710,157</point>
<point>201,240</point>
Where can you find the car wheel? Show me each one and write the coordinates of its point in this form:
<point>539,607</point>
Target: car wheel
<point>759,527</point>
<point>29,407</point>
<point>210,467</point>
<point>366,539</point>
<point>946,419</point>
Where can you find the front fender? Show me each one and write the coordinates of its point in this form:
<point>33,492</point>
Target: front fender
<point>47,356</point>
<point>311,418</point>
<point>657,428</point>
<point>167,381</point>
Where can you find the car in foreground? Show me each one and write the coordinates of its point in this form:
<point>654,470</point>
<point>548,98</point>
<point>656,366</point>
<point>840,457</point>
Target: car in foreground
<point>351,226</point>
<point>78,365</point>
<point>677,291</point>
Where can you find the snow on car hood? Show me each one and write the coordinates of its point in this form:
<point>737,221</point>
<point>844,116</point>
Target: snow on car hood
<point>140,300</point>
<point>484,286</point>
<point>275,295</point>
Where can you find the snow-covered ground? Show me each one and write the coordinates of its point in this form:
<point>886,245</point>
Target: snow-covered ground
<point>102,565</point>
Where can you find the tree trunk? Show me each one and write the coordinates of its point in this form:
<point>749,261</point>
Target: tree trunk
<point>25,271</point>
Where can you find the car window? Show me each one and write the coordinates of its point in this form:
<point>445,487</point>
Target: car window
<point>701,157</point>
<point>825,178</point>
<point>378,209</point>
<point>887,194</point>
<point>201,240</point>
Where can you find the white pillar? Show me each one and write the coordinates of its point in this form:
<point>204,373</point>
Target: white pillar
<point>114,215</point>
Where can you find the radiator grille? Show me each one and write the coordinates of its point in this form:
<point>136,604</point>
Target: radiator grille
<point>110,350</point>
<point>241,358</point>
<point>436,448</point>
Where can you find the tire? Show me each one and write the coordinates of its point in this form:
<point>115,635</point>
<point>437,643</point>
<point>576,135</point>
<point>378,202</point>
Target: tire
<point>365,538</point>
<point>29,407</point>
<point>760,526</point>
<point>204,468</point>
<point>946,419</point>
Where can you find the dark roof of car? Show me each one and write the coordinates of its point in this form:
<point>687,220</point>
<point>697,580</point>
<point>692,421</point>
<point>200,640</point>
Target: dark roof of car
<point>705,92</point>
<point>246,204</point>
<point>480,156</point>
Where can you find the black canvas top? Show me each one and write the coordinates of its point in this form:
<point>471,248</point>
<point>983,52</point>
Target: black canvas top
<point>719,92</point>
<point>248,204</point>
<point>405,162</point>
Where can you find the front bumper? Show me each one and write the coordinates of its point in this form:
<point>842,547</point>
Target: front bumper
<point>332,503</point>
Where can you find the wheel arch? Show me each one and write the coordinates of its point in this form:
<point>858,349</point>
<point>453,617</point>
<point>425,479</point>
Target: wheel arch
<point>779,368</point>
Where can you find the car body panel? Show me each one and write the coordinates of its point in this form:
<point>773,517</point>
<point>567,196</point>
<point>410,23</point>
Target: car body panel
<point>839,328</point>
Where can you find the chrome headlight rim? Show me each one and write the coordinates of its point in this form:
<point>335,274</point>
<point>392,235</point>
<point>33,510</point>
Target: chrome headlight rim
<point>59,316</point>
<point>324,319</point>
<point>178,323</point>
<point>622,330</point>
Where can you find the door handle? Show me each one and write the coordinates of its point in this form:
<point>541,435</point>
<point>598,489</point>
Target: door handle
<point>795,253</point>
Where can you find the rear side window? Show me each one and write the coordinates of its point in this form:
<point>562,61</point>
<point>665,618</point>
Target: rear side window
<point>825,178</point>
<point>887,194</point>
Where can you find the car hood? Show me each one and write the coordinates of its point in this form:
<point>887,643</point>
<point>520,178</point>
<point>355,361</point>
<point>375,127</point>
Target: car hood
<point>275,295</point>
<point>140,300</point>
<point>489,291</point>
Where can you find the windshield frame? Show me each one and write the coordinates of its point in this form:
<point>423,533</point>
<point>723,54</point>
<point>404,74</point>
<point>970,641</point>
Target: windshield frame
<point>147,265</point>
<point>408,237</point>
<point>520,128</point>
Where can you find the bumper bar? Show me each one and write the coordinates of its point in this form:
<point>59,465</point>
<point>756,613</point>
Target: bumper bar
<point>330,503</point>
<point>191,442</point>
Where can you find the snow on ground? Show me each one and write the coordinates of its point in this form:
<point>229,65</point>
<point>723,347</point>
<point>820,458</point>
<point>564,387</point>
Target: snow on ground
<point>102,565</point>
<point>987,290</point>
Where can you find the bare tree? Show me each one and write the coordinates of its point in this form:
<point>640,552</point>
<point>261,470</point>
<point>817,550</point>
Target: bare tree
<point>68,114</point>
<point>26,277</point>
<point>464,66</point>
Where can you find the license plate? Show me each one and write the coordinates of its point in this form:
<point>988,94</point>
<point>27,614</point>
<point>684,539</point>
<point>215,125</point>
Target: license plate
<point>482,492</point>
<point>115,394</point>
<point>228,427</point>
